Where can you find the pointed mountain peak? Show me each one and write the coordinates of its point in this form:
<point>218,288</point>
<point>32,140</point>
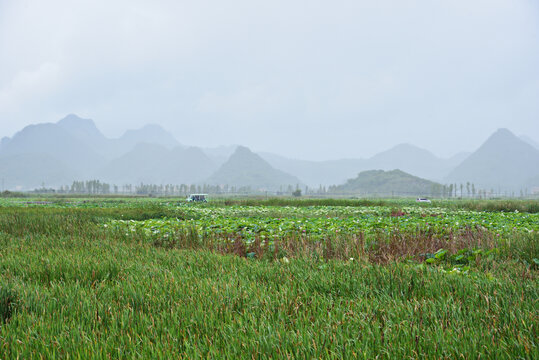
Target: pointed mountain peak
<point>503,160</point>
<point>246,168</point>
<point>74,120</point>
<point>503,131</point>
<point>71,117</point>
<point>242,150</point>
<point>242,155</point>
<point>502,134</point>
<point>403,150</point>
<point>503,138</point>
<point>81,128</point>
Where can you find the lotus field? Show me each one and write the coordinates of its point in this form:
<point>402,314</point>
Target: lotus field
<point>275,278</point>
<point>319,223</point>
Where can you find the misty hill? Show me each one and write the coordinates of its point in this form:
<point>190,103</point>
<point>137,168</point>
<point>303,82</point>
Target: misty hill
<point>457,159</point>
<point>83,129</point>
<point>4,141</point>
<point>414,160</point>
<point>410,158</point>
<point>191,165</point>
<point>74,148</point>
<point>314,173</point>
<point>220,154</point>
<point>141,164</point>
<point>245,168</point>
<point>394,182</point>
<point>504,161</point>
<point>81,135</point>
<point>86,132</point>
<point>32,170</point>
<point>55,141</point>
<point>152,134</point>
<point>155,164</point>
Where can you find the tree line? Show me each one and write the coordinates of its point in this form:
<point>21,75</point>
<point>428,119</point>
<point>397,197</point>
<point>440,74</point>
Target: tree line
<point>96,187</point>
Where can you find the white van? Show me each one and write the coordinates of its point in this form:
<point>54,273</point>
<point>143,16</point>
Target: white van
<point>197,198</point>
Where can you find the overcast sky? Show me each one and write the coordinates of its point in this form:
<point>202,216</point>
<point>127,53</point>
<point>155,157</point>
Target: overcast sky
<point>308,79</point>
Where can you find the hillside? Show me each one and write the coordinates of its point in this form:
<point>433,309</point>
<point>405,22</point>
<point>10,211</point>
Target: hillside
<point>315,173</point>
<point>86,132</point>
<point>219,154</point>
<point>409,158</point>
<point>155,164</point>
<point>245,168</point>
<point>152,134</point>
<point>503,162</point>
<point>394,182</point>
<point>530,141</point>
<point>83,130</point>
<point>140,165</point>
<point>30,171</point>
<point>74,148</point>
<point>55,141</point>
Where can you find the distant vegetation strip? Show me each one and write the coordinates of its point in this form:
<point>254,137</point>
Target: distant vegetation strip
<point>496,205</point>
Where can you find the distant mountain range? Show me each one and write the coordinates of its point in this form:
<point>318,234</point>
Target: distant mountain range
<point>55,154</point>
<point>73,148</point>
<point>406,157</point>
<point>155,164</point>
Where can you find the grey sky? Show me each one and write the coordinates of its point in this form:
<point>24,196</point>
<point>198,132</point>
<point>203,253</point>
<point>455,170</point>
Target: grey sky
<point>308,79</point>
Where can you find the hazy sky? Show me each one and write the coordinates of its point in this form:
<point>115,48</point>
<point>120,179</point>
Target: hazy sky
<point>308,79</point>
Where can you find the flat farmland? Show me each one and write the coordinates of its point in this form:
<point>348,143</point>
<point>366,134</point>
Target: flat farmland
<point>256,278</point>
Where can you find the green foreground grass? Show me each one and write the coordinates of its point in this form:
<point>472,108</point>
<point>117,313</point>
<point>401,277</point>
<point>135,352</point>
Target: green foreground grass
<point>71,289</point>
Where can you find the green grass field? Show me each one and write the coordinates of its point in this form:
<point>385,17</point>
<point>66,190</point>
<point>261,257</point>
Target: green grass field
<point>277,278</point>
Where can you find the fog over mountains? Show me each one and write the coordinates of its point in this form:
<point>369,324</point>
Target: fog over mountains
<point>406,157</point>
<point>245,168</point>
<point>56,154</point>
<point>503,161</point>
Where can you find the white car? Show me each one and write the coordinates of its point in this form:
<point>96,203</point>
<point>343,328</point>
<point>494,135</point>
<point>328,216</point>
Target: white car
<point>425,200</point>
<point>197,198</point>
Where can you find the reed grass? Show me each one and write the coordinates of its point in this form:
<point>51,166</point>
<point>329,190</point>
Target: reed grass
<point>71,289</point>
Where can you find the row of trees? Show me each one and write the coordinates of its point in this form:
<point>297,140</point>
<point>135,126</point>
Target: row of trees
<point>96,187</point>
<point>469,190</point>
